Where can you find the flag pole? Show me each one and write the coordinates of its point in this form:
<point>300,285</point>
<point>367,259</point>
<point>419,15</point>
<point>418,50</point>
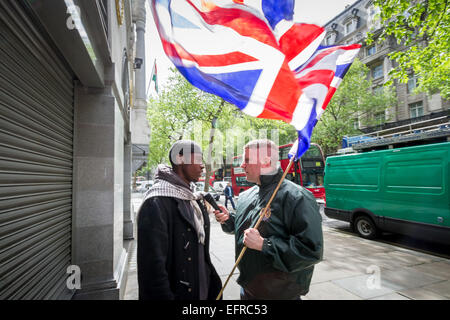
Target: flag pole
<point>261,216</point>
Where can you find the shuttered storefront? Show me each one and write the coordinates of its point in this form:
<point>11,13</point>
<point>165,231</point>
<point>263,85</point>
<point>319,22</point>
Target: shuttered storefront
<point>36,152</point>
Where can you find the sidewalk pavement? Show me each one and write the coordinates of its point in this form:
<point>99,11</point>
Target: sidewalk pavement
<point>352,269</point>
<point>131,287</point>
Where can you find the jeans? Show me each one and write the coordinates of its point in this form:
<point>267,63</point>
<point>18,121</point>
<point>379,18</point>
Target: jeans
<point>232,203</point>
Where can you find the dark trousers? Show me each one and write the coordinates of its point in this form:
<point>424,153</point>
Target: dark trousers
<point>232,203</point>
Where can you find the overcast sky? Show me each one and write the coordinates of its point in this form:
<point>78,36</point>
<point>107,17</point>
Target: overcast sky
<point>318,12</point>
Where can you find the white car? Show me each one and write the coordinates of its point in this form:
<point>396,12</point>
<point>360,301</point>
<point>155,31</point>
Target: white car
<point>200,186</point>
<point>219,186</point>
<point>144,186</point>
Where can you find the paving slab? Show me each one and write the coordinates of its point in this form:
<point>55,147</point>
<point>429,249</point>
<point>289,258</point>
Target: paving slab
<point>325,271</point>
<point>232,290</point>
<point>411,258</point>
<point>346,272</point>
<point>357,264</point>
<point>392,260</point>
<point>391,296</point>
<point>363,287</point>
<point>439,269</point>
<point>408,278</point>
<point>224,268</point>
<point>441,288</point>
<point>338,252</point>
<point>132,288</point>
<point>329,291</point>
<point>421,294</point>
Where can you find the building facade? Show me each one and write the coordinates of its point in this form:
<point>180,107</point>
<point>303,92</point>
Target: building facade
<point>140,133</point>
<point>352,26</point>
<point>66,77</point>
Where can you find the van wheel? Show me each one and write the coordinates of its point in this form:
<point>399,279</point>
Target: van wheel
<point>365,227</point>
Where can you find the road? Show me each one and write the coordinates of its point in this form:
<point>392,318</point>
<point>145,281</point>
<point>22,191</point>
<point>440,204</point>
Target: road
<point>390,238</point>
<point>396,256</point>
<point>409,270</point>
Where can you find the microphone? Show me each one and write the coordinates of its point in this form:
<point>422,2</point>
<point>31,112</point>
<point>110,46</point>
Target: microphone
<point>208,197</point>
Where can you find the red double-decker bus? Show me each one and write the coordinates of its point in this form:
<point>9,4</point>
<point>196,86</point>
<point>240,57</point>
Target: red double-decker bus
<point>239,181</point>
<point>308,171</point>
<point>211,178</point>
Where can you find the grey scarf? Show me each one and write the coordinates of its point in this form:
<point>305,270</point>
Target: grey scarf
<point>169,184</point>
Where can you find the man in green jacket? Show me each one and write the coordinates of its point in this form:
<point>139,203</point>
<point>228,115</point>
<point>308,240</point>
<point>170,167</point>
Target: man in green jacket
<point>289,240</point>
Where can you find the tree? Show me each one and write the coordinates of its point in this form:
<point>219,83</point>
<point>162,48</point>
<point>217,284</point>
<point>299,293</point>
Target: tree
<point>212,119</point>
<point>229,129</point>
<point>243,128</point>
<point>353,101</point>
<point>173,115</point>
<point>422,27</point>
<point>168,115</point>
<point>181,110</point>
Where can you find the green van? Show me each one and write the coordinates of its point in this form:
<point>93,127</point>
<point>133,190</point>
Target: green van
<point>404,190</point>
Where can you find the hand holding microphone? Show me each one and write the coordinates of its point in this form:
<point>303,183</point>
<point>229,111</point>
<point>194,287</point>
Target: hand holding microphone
<point>220,211</point>
<point>208,197</point>
<point>223,215</point>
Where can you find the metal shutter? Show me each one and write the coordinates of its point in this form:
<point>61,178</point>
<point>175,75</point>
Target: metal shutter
<point>36,152</point>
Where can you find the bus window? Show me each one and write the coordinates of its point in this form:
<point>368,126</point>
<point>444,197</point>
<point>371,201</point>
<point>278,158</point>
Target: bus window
<point>239,181</point>
<point>309,171</point>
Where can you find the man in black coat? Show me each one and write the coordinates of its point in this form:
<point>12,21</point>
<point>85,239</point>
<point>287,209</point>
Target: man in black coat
<point>173,233</point>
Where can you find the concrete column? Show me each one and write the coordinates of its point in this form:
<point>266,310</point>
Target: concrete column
<point>98,194</point>
<point>139,16</point>
<point>140,129</point>
<point>128,214</point>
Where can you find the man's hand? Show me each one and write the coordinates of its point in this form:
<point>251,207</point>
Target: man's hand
<point>253,240</point>
<point>223,216</point>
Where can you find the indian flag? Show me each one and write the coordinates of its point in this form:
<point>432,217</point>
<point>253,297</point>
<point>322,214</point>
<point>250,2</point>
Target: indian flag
<point>154,76</point>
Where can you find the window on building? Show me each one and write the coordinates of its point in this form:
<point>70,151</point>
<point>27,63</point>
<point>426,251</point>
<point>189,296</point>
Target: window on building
<point>416,109</point>
<point>371,50</point>
<point>412,84</point>
<point>349,41</point>
<point>380,118</point>
<point>373,21</point>
<point>377,71</point>
<point>350,26</point>
<point>329,40</point>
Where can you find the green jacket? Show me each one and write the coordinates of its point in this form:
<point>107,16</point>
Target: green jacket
<point>293,239</point>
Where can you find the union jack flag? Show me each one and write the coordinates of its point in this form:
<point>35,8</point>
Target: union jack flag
<point>251,53</point>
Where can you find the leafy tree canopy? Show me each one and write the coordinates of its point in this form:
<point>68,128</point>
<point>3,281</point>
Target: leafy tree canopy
<point>422,28</point>
<point>181,111</point>
<point>355,102</point>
